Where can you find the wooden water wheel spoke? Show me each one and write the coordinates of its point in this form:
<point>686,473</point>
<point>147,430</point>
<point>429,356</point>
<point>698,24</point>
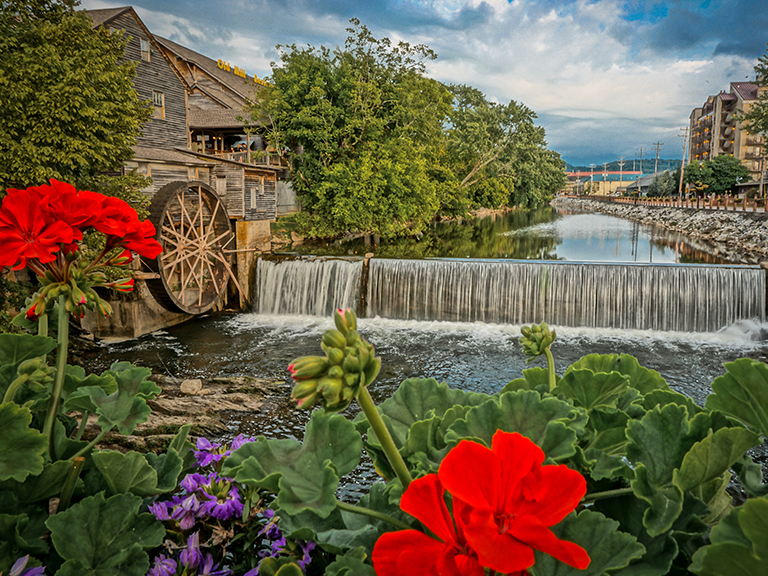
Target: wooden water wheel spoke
<point>193,228</point>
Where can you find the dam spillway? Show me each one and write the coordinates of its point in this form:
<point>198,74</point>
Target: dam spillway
<point>666,297</point>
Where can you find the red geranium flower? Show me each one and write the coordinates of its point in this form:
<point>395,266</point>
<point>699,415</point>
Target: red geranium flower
<point>513,501</point>
<point>26,232</point>
<point>64,203</point>
<point>413,553</point>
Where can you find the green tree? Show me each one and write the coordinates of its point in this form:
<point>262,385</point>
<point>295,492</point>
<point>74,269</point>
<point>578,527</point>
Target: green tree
<point>718,176</point>
<point>664,184</point>
<point>68,104</point>
<point>361,127</point>
<point>755,120</point>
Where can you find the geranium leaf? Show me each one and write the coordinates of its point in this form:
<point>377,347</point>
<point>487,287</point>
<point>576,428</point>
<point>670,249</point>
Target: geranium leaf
<point>41,487</point>
<point>75,378</point>
<point>713,456</point>
<point>129,376</point>
<point>533,379</point>
<point>664,397</point>
<point>742,392</point>
<point>750,476</point>
<point>105,537</point>
<point>608,548</point>
<point>739,543</point>
<point>642,379</point>
<point>123,408</point>
<point>304,475</point>
<point>419,399</point>
<point>591,390</point>
<point>281,566</point>
<point>16,348</point>
<point>128,473</point>
<point>351,564</point>
<point>606,431</point>
<point>168,467</point>
<point>63,446</point>
<point>21,447</point>
<point>551,423</point>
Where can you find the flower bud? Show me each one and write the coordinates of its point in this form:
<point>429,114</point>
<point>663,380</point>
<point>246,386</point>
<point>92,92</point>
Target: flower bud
<point>330,389</point>
<point>335,356</point>
<point>308,367</point>
<point>304,388</point>
<point>122,285</point>
<point>345,320</point>
<point>335,372</point>
<point>334,339</point>
<point>122,259</point>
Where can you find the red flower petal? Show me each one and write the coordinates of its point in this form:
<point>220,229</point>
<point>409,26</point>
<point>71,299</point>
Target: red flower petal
<point>528,529</point>
<point>470,472</point>
<point>408,553</point>
<point>496,550</point>
<point>424,500</point>
<point>551,493</point>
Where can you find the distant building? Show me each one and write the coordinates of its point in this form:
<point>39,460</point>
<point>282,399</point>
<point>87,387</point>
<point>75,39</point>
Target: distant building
<point>715,131</point>
<point>600,183</point>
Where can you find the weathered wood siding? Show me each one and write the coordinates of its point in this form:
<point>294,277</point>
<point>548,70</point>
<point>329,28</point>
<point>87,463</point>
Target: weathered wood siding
<point>157,75</point>
<point>227,180</point>
<point>260,197</point>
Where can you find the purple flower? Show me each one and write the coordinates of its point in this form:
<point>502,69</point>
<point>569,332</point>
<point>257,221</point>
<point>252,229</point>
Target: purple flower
<point>238,441</point>
<point>207,452</point>
<point>210,569</point>
<point>187,511</point>
<point>306,548</point>
<point>194,482</point>
<point>163,510</point>
<point>163,567</point>
<point>252,572</point>
<point>191,557</point>
<point>18,568</point>
<point>226,507</point>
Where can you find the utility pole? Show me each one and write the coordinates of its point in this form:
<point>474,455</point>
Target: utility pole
<point>639,154</point>
<point>591,177</point>
<point>684,136</point>
<point>621,170</point>
<point>605,178</point>
<point>659,146</point>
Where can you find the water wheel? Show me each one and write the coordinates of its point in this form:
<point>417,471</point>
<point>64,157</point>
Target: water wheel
<point>194,230</point>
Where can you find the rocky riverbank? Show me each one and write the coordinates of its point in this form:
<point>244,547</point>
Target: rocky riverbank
<point>738,236</point>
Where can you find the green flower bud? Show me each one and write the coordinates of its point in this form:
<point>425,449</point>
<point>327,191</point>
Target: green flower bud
<point>308,367</point>
<point>345,320</point>
<point>335,372</point>
<point>352,337</point>
<point>334,339</point>
<point>335,356</point>
<point>330,388</point>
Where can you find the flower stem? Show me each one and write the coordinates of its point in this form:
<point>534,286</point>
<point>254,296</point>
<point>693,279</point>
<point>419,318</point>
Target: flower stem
<point>83,423</point>
<point>69,484</point>
<point>550,368</point>
<point>61,366</point>
<point>93,442</point>
<point>372,514</point>
<point>607,494</point>
<point>42,324</point>
<point>380,429</point>
<point>14,387</point>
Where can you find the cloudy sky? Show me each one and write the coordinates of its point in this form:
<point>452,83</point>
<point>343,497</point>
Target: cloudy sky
<point>607,78</point>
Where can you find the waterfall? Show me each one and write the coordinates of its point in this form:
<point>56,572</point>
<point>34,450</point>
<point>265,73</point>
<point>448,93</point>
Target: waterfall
<point>690,298</point>
<point>666,297</point>
<point>313,286</point>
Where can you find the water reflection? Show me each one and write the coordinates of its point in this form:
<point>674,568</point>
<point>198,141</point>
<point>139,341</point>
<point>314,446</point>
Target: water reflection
<point>543,234</point>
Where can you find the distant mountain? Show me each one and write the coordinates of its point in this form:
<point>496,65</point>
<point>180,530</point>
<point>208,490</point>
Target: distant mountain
<point>648,166</point>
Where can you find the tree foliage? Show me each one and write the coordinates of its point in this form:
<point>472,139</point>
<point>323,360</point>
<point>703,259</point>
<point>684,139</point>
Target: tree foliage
<point>755,120</point>
<point>377,146</point>
<point>716,176</point>
<point>69,108</point>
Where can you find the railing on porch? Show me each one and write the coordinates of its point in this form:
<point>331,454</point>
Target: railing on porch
<point>256,158</point>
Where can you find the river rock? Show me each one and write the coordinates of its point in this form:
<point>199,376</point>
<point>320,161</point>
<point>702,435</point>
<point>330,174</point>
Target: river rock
<point>191,387</point>
<point>176,406</point>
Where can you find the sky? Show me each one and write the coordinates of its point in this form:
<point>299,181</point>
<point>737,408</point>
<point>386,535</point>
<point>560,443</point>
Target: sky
<point>606,78</point>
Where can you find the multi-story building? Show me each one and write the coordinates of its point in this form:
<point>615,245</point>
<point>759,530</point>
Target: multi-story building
<point>715,130</point>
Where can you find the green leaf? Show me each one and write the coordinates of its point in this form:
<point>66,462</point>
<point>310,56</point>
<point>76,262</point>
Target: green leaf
<point>124,408</point>
<point>127,473</point>
<point>642,379</point>
<point>739,543</point>
<point>63,446</point>
<point>41,487</point>
<point>551,423</point>
<point>658,444</point>
<point>750,476</point>
<point>105,537</point>
<point>608,548</point>
<point>351,564</point>
<point>591,390</point>
<point>75,378</point>
<point>281,566</point>
<point>129,376</point>
<point>664,397</point>
<point>713,456</point>
<point>168,467</point>
<point>16,348</point>
<point>533,379</point>
<point>304,476</point>
<point>419,399</point>
<point>21,447</point>
<point>742,392</point>
<point>606,431</point>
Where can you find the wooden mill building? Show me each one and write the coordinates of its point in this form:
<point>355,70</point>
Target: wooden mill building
<point>199,130</point>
